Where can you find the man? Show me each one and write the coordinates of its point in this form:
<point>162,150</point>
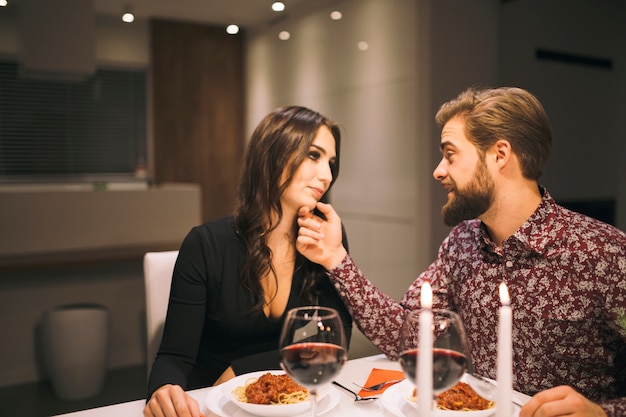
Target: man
<point>566,272</point>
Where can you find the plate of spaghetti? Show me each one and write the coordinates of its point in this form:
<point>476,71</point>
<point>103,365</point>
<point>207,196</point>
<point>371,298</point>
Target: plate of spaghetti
<point>459,401</point>
<point>265,394</point>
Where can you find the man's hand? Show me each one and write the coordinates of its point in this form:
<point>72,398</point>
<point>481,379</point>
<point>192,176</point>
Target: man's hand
<point>561,401</point>
<point>320,240</point>
<point>171,401</point>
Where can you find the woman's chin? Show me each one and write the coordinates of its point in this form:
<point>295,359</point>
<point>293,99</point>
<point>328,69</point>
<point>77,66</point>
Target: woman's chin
<point>311,204</point>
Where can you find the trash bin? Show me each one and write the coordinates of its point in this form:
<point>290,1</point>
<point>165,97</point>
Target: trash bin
<point>76,349</point>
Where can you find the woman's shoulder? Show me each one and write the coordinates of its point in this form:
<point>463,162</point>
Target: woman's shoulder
<point>222,226</point>
<point>215,233</point>
<point>213,241</point>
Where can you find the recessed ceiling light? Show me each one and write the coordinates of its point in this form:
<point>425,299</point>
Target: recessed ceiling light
<point>232,29</point>
<point>128,17</point>
<point>363,46</point>
<point>278,6</point>
<point>284,35</point>
<point>336,15</point>
<point>3,3</point>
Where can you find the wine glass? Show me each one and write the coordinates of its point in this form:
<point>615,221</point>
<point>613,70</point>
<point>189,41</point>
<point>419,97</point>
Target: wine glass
<point>449,349</point>
<point>312,347</point>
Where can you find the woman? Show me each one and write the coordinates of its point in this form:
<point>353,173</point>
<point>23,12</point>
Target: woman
<point>236,277</point>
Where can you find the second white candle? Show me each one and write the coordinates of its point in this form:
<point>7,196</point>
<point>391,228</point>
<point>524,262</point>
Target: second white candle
<point>425,353</point>
<point>504,407</point>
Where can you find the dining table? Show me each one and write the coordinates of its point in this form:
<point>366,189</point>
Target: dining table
<point>354,371</point>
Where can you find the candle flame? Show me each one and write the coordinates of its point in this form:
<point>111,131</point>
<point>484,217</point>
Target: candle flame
<point>426,296</point>
<point>504,294</point>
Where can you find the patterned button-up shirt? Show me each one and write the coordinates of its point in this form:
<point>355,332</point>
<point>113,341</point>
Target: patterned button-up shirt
<point>566,275</point>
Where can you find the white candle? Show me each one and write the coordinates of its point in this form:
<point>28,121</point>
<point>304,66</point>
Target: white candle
<point>425,353</point>
<point>505,356</point>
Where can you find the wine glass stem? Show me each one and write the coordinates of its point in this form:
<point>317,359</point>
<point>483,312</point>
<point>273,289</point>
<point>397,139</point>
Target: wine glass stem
<point>313,396</point>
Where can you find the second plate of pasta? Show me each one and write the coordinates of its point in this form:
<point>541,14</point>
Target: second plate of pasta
<point>397,400</point>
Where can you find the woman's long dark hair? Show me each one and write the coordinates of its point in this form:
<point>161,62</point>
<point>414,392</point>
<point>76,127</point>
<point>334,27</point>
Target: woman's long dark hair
<point>276,149</point>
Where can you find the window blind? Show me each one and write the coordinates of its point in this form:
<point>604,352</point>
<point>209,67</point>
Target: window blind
<point>93,129</point>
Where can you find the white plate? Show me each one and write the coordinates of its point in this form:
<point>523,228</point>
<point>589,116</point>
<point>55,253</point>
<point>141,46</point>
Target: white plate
<point>221,401</point>
<point>395,399</point>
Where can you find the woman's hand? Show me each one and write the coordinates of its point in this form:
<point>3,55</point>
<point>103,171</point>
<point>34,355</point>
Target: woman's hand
<point>561,401</point>
<point>171,401</point>
<point>320,240</point>
<point>226,375</point>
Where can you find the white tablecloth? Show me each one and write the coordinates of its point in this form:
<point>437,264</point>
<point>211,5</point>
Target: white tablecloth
<point>356,370</point>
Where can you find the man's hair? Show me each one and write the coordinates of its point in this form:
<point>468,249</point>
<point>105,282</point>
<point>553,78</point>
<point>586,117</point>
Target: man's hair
<point>506,113</point>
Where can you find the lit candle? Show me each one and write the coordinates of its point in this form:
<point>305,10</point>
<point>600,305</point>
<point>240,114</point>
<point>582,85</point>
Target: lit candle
<point>505,356</point>
<point>425,353</point>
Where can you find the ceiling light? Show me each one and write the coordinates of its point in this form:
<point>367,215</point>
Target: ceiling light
<point>3,3</point>
<point>278,6</point>
<point>232,29</point>
<point>336,15</point>
<point>128,16</point>
<point>284,35</point>
<point>363,46</point>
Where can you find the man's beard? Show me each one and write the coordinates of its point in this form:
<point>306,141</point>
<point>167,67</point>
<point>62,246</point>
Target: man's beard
<point>471,201</point>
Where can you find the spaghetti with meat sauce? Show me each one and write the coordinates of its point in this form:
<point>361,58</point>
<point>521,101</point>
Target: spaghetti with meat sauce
<point>271,389</point>
<point>460,397</point>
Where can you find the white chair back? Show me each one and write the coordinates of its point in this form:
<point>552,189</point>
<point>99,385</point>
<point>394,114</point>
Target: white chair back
<point>157,270</point>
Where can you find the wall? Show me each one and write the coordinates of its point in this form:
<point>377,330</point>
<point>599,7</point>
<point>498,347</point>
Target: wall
<point>585,104</point>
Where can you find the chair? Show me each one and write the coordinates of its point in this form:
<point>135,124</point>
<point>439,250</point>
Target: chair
<point>157,270</point>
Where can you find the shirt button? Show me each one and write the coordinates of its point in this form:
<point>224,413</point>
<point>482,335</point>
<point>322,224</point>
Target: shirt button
<point>509,264</point>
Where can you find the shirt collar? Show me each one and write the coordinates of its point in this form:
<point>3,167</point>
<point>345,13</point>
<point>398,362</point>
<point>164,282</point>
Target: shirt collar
<point>533,233</point>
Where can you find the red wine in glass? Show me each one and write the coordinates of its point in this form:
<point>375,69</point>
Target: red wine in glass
<point>313,363</point>
<point>448,367</point>
<point>312,347</point>
<point>449,349</point>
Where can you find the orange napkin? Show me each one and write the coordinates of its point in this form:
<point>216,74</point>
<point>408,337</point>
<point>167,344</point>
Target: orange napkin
<point>377,376</point>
